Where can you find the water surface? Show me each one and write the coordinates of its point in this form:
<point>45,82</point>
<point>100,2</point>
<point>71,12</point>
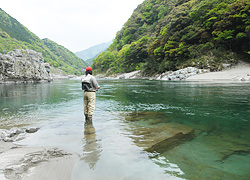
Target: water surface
<point>218,113</point>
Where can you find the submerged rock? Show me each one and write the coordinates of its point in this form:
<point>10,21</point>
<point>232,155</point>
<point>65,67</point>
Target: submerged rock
<point>226,145</point>
<point>163,138</point>
<point>157,134</point>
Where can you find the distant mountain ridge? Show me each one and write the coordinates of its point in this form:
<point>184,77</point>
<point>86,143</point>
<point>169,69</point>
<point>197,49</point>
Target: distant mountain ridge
<point>89,54</point>
<point>13,35</point>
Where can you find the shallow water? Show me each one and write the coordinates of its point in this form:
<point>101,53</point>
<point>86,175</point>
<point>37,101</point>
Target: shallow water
<point>218,113</point>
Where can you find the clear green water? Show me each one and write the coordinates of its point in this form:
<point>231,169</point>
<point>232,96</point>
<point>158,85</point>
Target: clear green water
<point>218,113</point>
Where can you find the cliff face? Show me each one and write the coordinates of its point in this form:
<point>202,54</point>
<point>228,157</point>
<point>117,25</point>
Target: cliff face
<point>23,66</point>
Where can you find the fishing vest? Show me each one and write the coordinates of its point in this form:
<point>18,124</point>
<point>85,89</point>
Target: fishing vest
<point>87,83</point>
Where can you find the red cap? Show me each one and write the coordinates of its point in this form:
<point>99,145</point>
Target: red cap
<point>89,68</point>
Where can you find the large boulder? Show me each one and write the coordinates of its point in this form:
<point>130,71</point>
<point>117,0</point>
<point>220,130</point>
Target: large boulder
<point>23,66</point>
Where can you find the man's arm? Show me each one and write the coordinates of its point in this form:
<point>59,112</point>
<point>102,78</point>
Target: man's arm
<point>95,83</point>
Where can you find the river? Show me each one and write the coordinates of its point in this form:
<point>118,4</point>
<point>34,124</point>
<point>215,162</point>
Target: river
<point>219,114</point>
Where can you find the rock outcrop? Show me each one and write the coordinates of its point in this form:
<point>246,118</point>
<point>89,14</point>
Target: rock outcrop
<point>181,74</point>
<point>23,66</point>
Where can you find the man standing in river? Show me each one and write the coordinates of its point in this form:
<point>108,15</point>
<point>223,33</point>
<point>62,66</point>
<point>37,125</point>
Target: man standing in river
<point>89,85</point>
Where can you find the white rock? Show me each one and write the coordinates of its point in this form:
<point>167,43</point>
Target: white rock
<point>19,137</point>
<point>15,131</point>
<point>181,74</point>
<point>23,65</point>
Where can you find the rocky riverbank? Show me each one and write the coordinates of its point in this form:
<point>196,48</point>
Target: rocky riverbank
<point>236,73</point>
<point>23,66</point>
<point>178,75</point>
<point>239,72</point>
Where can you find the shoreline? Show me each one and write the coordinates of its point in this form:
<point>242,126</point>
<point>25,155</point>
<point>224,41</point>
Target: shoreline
<point>30,162</point>
<point>237,73</point>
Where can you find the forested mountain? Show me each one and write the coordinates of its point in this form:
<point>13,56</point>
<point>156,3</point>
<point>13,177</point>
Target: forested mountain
<point>164,35</point>
<point>69,61</point>
<point>91,53</point>
<point>13,35</point>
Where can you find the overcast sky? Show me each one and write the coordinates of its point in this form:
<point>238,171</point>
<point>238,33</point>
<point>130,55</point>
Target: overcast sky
<point>74,24</point>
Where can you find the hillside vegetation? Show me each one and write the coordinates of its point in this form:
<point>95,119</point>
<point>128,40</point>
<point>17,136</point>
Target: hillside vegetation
<point>14,35</point>
<point>69,62</point>
<point>164,35</point>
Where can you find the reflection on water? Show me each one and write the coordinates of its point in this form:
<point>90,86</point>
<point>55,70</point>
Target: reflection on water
<point>24,104</point>
<point>17,100</point>
<point>91,149</point>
